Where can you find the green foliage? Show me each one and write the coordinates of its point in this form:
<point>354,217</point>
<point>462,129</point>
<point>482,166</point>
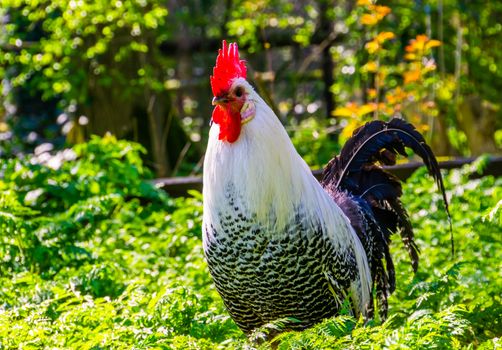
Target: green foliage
<point>94,256</point>
<point>81,41</point>
<point>311,139</point>
<point>127,66</point>
<point>250,19</point>
<point>100,257</point>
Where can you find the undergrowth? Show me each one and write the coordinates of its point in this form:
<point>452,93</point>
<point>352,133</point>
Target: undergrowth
<point>93,256</point>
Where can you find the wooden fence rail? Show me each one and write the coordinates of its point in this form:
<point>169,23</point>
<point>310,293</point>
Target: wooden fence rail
<point>179,186</point>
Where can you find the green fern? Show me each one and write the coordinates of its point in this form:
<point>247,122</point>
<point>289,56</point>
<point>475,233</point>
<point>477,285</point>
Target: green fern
<point>94,256</point>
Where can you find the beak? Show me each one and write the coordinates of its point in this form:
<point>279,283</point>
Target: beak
<point>219,100</point>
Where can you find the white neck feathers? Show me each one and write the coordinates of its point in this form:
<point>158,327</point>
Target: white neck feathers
<point>263,167</point>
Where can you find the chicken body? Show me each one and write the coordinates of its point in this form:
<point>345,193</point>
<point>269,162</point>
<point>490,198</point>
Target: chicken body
<point>276,243</point>
<point>279,245</point>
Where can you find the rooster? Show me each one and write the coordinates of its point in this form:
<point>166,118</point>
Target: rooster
<point>279,244</point>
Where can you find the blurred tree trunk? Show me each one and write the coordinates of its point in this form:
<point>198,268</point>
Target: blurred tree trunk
<point>440,143</point>
<point>159,122</point>
<point>325,30</point>
<point>477,118</point>
<point>109,105</point>
<point>108,110</point>
<point>144,115</point>
<point>147,119</point>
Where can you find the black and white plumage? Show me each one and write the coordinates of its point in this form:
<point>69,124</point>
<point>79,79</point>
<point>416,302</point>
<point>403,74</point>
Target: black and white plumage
<point>280,245</point>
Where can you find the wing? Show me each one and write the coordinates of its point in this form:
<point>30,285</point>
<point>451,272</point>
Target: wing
<point>343,256</point>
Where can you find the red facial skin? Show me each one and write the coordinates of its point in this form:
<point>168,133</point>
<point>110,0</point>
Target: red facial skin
<point>227,114</point>
<point>228,106</point>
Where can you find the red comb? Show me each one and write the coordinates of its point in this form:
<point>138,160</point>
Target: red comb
<point>228,67</point>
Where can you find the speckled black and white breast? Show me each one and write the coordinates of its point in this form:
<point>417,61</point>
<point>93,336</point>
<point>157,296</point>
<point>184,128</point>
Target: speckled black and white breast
<point>264,275</point>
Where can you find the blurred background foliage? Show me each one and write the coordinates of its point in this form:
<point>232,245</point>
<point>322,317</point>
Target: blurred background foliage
<point>94,256</point>
<point>140,70</point>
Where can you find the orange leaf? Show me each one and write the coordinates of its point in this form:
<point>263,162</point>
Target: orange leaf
<point>411,76</point>
<point>422,38</point>
<point>382,11</point>
<point>369,19</point>
<point>396,96</point>
<point>418,44</point>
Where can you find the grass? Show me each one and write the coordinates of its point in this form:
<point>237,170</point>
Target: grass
<point>95,257</point>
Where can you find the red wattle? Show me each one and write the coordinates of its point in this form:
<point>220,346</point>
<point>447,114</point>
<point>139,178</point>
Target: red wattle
<point>229,122</point>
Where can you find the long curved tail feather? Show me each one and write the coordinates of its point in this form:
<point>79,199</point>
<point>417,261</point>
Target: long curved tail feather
<point>356,171</point>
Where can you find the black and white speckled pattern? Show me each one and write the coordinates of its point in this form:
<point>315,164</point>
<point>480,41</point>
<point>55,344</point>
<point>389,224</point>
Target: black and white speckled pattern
<point>265,276</point>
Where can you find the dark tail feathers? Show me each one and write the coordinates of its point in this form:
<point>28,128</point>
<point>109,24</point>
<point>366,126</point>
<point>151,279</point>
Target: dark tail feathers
<point>356,171</point>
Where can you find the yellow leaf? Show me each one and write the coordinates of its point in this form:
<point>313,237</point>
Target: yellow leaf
<point>422,127</point>
<point>4,127</point>
<point>432,43</point>
<point>367,108</point>
<point>351,109</point>
<point>372,46</point>
<point>343,112</point>
<point>371,67</point>
<point>382,74</point>
<point>364,2</point>
<point>384,36</point>
<point>349,129</point>
<point>410,56</point>
<point>389,110</point>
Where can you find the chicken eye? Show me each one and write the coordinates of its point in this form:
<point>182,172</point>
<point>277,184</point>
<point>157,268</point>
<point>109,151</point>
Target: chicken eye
<point>239,91</point>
